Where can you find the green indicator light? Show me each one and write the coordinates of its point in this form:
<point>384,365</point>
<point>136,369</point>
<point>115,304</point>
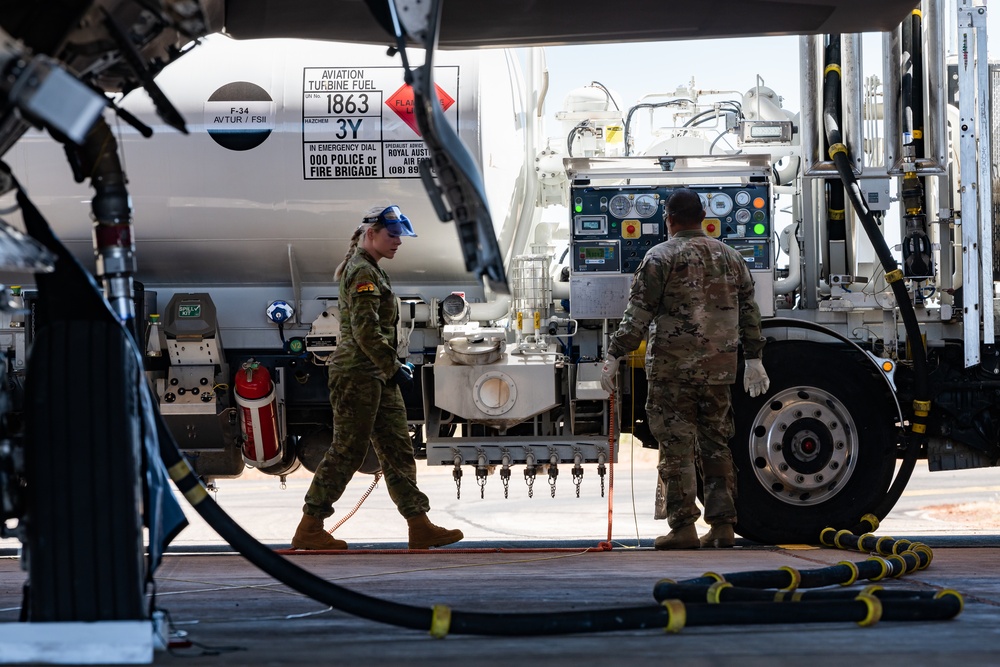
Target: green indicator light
<point>614,224</point>
<point>578,204</point>
<point>758,229</point>
<point>579,208</point>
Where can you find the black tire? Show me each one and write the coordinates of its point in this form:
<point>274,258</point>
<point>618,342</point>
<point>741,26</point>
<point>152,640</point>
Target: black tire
<point>84,493</point>
<point>818,449</point>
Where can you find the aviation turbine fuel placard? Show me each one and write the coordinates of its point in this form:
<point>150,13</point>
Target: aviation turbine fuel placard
<point>359,122</point>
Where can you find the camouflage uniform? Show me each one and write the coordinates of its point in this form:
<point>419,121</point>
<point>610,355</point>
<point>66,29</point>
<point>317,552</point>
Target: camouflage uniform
<point>366,408</point>
<point>695,297</point>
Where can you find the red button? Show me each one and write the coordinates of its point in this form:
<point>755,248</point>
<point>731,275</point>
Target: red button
<point>630,229</point>
<point>710,228</point>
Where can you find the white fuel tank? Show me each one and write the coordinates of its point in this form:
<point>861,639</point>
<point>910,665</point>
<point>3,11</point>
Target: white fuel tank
<point>289,142</point>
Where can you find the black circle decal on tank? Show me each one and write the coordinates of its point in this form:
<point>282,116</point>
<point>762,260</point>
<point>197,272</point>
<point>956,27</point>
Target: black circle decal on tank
<point>239,115</point>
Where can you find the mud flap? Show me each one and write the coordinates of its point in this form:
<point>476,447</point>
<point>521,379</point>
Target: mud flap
<point>83,458</point>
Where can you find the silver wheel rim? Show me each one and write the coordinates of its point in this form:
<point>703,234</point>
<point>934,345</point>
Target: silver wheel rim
<point>803,446</point>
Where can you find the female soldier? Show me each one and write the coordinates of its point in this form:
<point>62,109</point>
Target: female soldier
<point>364,380</point>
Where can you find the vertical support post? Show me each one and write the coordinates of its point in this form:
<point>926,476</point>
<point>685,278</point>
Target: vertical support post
<point>972,122</point>
<point>985,177</point>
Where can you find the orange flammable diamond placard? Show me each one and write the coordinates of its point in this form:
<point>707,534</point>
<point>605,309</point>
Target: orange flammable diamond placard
<point>401,102</point>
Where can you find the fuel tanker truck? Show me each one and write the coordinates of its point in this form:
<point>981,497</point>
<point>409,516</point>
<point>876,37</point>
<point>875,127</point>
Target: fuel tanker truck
<point>865,218</point>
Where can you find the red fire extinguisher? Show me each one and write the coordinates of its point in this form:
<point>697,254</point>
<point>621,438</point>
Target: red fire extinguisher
<point>258,415</point>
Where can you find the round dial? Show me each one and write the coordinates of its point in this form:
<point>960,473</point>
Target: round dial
<point>743,216</point>
<point>646,205</point>
<point>620,206</point>
<point>720,204</point>
<point>742,198</point>
<point>704,201</point>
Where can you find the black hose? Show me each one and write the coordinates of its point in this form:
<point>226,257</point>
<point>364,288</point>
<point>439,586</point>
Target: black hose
<point>440,620</point>
<point>911,83</point>
<point>786,584</point>
<point>839,155</point>
<point>717,594</point>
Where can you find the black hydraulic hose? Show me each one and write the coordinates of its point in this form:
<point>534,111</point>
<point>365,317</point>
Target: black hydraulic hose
<point>868,543</point>
<point>672,615</point>
<point>725,592</point>
<point>911,82</point>
<point>921,402</point>
<point>787,578</point>
<point>784,586</point>
<point>906,75</point>
<point>917,88</point>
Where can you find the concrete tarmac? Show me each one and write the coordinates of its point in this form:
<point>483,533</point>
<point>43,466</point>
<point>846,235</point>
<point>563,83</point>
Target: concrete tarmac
<point>531,556</point>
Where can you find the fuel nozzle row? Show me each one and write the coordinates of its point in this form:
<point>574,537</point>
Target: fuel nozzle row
<point>531,469</point>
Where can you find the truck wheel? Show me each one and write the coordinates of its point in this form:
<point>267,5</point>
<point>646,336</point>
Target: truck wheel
<point>818,449</point>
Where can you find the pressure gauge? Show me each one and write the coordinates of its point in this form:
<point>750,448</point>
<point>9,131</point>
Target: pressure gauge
<point>704,201</point>
<point>742,216</point>
<point>720,204</point>
<point>620,206</point>
<point>646,205</point>
<point>742,198</point>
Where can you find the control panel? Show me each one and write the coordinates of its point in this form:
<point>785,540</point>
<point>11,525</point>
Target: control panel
<point>631,218</point>
<point>596,255</point>
<point>757,254</point>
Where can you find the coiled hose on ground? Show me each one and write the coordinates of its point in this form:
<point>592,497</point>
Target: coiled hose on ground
<point>672,614</point>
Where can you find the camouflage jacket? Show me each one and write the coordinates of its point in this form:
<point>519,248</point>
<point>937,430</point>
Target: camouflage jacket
<point>695,297</point>
<point>368,318</point>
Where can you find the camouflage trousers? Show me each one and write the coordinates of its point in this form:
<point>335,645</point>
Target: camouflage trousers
<point>693,425</point>
<point>366,411</point>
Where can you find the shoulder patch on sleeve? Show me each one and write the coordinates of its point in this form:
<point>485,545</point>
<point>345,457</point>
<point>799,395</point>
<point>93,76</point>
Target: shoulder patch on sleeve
<point>364,288</point>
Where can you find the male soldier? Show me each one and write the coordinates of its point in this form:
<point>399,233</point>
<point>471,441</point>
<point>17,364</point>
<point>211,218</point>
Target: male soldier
<point>695,296</point>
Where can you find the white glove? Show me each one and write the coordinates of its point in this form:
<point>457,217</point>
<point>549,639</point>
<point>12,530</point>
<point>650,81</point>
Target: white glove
<point>755,379</point>
<point>609,374</point>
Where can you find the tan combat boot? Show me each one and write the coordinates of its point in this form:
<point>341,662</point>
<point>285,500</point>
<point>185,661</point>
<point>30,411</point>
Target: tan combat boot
<point>721,536</point>
<point>310,535</point>
<point>424,534</point>
<point>681,538</point>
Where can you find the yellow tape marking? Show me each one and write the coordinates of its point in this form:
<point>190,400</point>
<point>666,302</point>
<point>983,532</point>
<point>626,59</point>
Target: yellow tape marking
<point>837,148</point>
<point>677,615</point>
<point>854,572</point>
<point>902,565</point>
<point>715,590</point>
<point>440,621</point>
<point>885,568</point>
<point>874,614</point>
<point>179,470</point>
<point>949,591</point>
<point>196,494</point>
<point>794,574</point>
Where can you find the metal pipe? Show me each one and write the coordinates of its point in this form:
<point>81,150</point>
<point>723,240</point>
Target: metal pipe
<point>810,60</point>
<point>794,279</point>
<point>852,99</point>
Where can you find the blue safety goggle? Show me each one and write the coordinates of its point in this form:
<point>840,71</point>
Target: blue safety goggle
<point>394,222</point>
